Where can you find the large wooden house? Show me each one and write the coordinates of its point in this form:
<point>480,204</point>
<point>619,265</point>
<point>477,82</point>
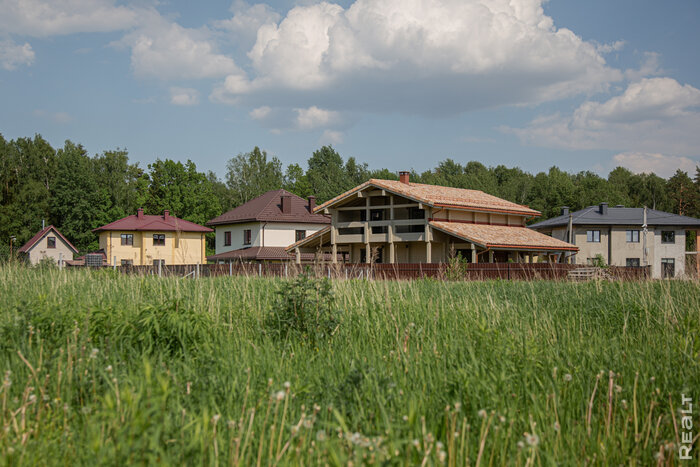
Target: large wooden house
<point>388,221</point>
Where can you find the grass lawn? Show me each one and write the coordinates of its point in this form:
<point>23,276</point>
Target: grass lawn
<point>103,368</point>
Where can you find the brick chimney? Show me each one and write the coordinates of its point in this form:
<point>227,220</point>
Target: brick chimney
<point>312,203</point>
<point>603,208</point>
<point>139,213</point>
<point>564,211</point>
<point>404,177</point>
<point>286,204</point>
<point>166,215</point>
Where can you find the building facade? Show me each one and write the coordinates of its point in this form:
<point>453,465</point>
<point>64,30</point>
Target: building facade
<point>48,243</point>
<point>142,240</point>
<point>625,237</point>
<point>388,221</point>
<point>262,228</point>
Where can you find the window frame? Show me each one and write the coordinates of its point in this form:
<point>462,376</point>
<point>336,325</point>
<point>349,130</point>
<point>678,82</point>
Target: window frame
<point>632,260</point>
<point>158,239</point>
<point>630,236</point>
<point>672,234</point>
<point>591,236</point>
<point>127,262</point>
<point>299,235</point>
<point>51,242</point>
<point>247,237</point>
<point>227,238</point>
<point>127,239</point>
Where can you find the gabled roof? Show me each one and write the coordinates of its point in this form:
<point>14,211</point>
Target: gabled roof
<point>268,208</point>
<point>619,216</point>
<point>153,223</point>
<point>41,234</point>
<point>440,196</point>
<point>501,236</point>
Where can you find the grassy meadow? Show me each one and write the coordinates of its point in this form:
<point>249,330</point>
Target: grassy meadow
<point>99,368</point>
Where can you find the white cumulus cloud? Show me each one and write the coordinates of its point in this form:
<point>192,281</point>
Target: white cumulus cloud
<point>313,117</point>
<point>13,55</point>
<point>39,18</point>
<point>432,57</point>
<point>654,115</point>
<point>659,164</point>
<point>184,96</point>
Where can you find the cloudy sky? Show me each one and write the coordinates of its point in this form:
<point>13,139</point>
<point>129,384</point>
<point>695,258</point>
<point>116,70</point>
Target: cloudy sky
<point>396,83</point>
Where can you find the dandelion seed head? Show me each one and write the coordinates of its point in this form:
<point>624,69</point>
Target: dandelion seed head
<point>568,377</point>
<point>287,384</point>
<point>482,413</point>
<point>532,439</point>
<point>321,435</point>
<point>280,395</point>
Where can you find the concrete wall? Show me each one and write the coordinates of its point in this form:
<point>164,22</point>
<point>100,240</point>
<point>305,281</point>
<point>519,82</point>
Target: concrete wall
<point>615,248</point>
<point>41,250</point>
<point>179,248</point>
<point>262,234</point>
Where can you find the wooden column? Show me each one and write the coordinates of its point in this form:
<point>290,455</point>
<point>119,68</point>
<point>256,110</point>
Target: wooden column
<point>334,233</point>
<point>490,256</point>
<point>367,232</point>
<point>368,253</point>
<point>297,256</point>
<point>428,252</point>
<point>390,231</point>
<point>697,253</point>
<point>475,258</point>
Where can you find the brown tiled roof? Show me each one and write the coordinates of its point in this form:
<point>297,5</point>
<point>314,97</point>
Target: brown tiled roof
<point>441,196</point>
<point>40,234</point>
<point>501,236</point>
<point>257,253</point>
<point>153,223</point>
<point>268,208</point>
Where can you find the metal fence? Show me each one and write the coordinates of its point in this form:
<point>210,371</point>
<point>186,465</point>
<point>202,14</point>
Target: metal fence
<point>443,271</point>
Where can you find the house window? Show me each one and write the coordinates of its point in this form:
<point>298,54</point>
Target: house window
<point>632,262</point>
<point>593,236</point>
<point>668,236</point>
<point>247,237</point>
<point>158,261</point>
<point>158,239</point>
<point>227,238</point>
<point>127,239</point>
<point>668,266</point>
<point>299,235</point>
<point>127,262</point>
<point>633,236</point>
<point>50,242</point>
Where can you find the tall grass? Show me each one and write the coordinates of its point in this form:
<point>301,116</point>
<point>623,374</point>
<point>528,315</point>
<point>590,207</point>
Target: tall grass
<point>104,368</point>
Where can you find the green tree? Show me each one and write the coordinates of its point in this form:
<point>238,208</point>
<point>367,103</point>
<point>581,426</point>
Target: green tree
<point>296,181</point>
<point>327,174</point>
<point>682,194</point>
<point>251,174</point>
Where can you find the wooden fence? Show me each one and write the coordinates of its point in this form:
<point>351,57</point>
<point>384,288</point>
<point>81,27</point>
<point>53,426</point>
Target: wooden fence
<point>483,271</point>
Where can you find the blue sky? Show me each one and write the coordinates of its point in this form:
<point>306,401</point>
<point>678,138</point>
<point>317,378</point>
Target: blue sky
<point>395,83</point>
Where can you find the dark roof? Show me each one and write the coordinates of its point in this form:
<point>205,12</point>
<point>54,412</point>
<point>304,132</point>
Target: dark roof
<point>41,234</point>
<point>154,223</point>
<point>268,208</point>
<point>259,253</point>
<point>619,216</point>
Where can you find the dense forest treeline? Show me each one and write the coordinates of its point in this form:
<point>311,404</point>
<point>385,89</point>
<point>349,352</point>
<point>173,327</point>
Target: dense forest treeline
<point>77,192</point>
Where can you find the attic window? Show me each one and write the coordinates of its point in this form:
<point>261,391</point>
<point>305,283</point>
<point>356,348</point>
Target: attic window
<point>299,235</point>
<point>50,242</point>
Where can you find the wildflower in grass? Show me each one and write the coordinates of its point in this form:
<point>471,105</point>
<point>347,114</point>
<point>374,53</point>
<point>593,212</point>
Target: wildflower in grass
<point>231,424</point>
<point>86,410</point>
<point>416,443</point>
<point>440,446</point>
<point>405,418</point>
<point>442,455</point>
<point>109,368</point>
<point>215,419</point>
<point>280,395</point>
<point>287,384</point>
<point>317,408</point>
<point>618,388</point>
<point>458,406</point>
<point>532,439</point>
<point>295,430</point>
<point>557,427</point>
<point>482,413</point>
<point>32,398</point>
<point>568,377</point>
<point>308,423</point>
<point>321,435</point>
<point>502,419</point>
<point>93,353</point>
<point>624,404</point>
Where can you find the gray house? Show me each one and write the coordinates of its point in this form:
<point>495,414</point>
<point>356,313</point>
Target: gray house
<point>626,237</point>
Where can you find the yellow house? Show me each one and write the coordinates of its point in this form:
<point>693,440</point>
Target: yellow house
<point>142,240</point>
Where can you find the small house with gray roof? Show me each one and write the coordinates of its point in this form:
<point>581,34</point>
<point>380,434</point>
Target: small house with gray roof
<point>626,237</point>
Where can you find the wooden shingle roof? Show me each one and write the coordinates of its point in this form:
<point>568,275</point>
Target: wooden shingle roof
<point>440,196</point>
<point>502,236</point>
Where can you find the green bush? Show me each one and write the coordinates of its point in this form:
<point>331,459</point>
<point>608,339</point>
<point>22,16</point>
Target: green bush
<point>305,308</point>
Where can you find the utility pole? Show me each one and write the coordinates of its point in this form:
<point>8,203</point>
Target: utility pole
<point>644,245</point>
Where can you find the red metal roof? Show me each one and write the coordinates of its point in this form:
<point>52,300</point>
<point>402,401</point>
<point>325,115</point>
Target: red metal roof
<point>153,223</point>
<point>441,196</point>
<point>268,208</point>
<point>41,234</point>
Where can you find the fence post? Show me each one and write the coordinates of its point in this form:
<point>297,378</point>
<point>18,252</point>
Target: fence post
<point>114,263</point>
<point>160,268</point>
<point>286,272</point>
<point>260,269</point>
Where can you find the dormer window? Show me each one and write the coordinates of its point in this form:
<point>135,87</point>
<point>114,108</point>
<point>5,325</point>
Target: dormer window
<point>50,242</point>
